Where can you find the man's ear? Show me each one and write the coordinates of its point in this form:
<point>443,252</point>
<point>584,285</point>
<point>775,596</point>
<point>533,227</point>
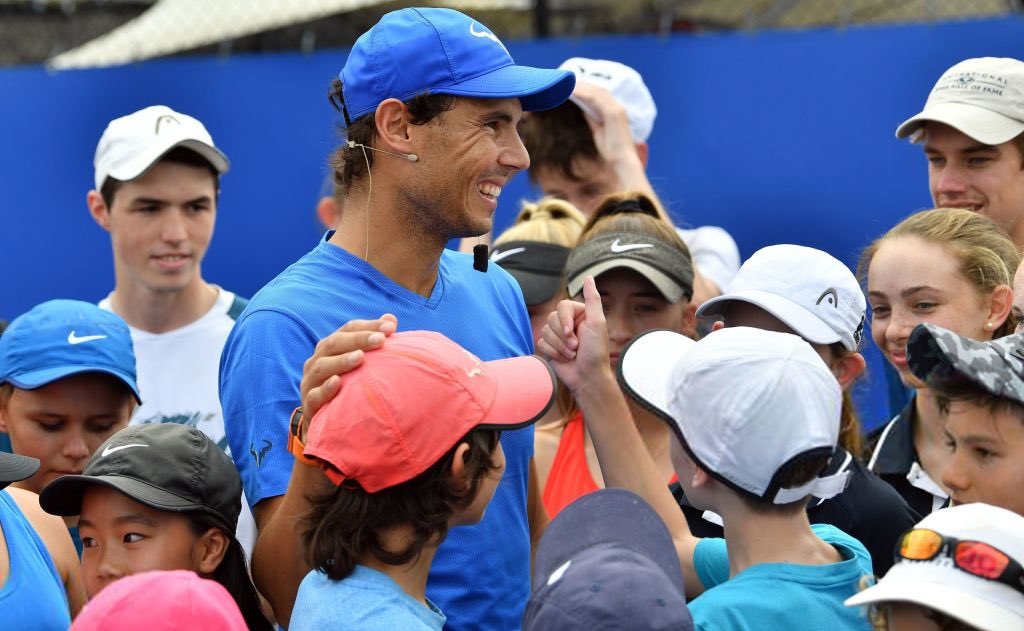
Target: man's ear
<point>98,209</point>
<point>643,151</point>
<point>394,128</point>
<point>689,322</point>
<point>209,550</point>
<point>848,368</point>
<point>459,461</point>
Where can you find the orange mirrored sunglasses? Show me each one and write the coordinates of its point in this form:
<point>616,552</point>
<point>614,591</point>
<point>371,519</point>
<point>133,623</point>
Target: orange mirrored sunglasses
<point>974,557</point>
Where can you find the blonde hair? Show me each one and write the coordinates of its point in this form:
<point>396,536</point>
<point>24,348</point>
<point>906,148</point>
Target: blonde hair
<point>550,220</point>
<point>988,257</point>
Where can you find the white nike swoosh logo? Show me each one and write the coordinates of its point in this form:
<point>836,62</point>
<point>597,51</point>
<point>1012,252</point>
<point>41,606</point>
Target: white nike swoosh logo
<point>73,339</point>
<point>486,35</point>
<point>619,248</point>
<point>498,255</point>
<point>111,449</point>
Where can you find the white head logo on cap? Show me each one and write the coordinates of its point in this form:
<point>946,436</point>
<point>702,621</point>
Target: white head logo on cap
<point>625,84</point>
<point>132,144</point>
<point>810,291</point>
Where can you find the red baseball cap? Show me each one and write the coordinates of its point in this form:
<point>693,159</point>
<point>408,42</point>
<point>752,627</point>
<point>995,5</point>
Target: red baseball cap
<point>410,402</point>
<point>176,599</point>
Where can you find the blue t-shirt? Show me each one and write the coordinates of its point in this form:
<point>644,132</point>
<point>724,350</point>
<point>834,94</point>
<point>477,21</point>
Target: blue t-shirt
<point>33,595</point>
<point>366,600</point>
<point>781,595</point>
<point>481,574</point>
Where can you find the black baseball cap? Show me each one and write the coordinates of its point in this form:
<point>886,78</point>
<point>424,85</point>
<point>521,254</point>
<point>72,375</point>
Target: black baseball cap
<point>536,266</point>
<point>668,268</point>
<point>165,466</point>
<point>607,562</point>
<point>15,468</point>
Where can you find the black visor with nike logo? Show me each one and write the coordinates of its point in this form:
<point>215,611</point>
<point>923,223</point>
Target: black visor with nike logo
<point>665,265</point>
<point>536,266</point>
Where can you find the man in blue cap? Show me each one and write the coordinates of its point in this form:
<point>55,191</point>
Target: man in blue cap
<point>430,100</point>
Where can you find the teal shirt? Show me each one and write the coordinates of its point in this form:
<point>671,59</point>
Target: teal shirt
<point>781,595</point>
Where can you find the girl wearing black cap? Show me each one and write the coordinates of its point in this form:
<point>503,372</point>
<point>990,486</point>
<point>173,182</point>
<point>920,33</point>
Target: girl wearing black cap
<point>644,274</point>
<point>158,497</point>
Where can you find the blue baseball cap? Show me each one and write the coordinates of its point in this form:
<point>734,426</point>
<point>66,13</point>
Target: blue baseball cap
<point>60,338</point>
<point>441,51</point>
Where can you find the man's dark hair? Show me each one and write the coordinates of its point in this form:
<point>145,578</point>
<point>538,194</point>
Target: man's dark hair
<point>960,389</point>
<point>350,163</point>
<point>345,522</point>
<point>556,139</point>
<point>178,155</point>
<point>798,471</point>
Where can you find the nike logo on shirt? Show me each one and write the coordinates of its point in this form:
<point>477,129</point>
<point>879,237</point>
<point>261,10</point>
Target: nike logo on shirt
<point>619,248</point>
<point>74,339</point>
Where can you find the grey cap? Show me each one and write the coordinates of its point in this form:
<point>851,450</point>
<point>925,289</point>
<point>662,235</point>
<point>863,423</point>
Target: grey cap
<point>939,356</point>
<point>669,268</point>
<point>165,466</point>
<point>15,468</point>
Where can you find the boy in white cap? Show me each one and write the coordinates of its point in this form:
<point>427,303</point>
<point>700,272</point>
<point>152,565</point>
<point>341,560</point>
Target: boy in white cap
<point>972,129</point>
<point>959,569</point>
<point>809,293</point>
<point>157,184</point>
<point>741,448</point>
<point>596,144</point>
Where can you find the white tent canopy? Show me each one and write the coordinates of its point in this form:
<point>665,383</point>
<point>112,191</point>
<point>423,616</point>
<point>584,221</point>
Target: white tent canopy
<point>170,26</point>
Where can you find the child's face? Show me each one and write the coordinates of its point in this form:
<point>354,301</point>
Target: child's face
<point>987,459</point>
<point>64,422</point>
<point>121,537</point>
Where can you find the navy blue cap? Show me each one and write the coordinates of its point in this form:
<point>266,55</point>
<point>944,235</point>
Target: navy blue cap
<point>60,338</point>
<point>441,51</point>
<point>607,562</point>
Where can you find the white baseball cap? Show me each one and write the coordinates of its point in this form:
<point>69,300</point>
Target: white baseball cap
<point>812,292</point>
<point>940,585</point>
<point>981,97</point>
<point>132,144</point>
<point>625,84</point>
<point>743,402</point>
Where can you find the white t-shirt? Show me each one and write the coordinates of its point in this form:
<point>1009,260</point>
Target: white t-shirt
<point>714,253</point>
<point>178,380</point>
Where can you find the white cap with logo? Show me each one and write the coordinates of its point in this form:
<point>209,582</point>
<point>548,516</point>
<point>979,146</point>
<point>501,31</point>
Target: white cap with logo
<point>132,144</point>
<point>743,402</point>
<point>812,292</point>
<point>982,98</point>
<point>938,583</point>
<point>625,84</point>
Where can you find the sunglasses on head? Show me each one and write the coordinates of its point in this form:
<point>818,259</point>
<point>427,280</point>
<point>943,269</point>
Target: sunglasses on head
<point>974,557</point>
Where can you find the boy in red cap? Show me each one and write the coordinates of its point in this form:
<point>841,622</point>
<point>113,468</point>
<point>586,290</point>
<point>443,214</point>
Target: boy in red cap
<point>410,445</point>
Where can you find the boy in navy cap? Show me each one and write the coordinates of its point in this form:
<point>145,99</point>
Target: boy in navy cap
<point>430,100</point>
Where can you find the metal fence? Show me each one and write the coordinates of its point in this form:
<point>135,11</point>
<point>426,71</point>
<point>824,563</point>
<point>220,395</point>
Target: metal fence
<point>36,31</point>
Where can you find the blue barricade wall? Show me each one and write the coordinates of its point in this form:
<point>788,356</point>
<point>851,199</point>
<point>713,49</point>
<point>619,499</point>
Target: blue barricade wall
<point>776,136</point>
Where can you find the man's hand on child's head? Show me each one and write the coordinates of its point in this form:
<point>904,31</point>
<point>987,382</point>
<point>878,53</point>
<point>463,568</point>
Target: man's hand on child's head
<point>337,354</point>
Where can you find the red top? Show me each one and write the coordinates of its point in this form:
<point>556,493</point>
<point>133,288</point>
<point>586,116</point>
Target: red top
<point>570,477</point>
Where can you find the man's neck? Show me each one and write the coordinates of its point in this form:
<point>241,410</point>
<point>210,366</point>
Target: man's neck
<point>412,576</point>
<point>392,244</point>
<point>755,538</point>
<point>162,311</point>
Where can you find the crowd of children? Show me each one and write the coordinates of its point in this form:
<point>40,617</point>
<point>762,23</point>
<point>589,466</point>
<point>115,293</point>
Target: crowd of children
<point>697,461</point>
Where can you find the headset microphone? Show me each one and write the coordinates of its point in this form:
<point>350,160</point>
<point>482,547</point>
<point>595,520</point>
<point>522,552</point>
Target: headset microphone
<point>411,157</point>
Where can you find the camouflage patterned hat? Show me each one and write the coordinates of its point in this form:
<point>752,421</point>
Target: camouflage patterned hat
<point>938,356</point>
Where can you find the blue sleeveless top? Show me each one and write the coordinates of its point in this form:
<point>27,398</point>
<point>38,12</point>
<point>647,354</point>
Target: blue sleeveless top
<point>33,595</point>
